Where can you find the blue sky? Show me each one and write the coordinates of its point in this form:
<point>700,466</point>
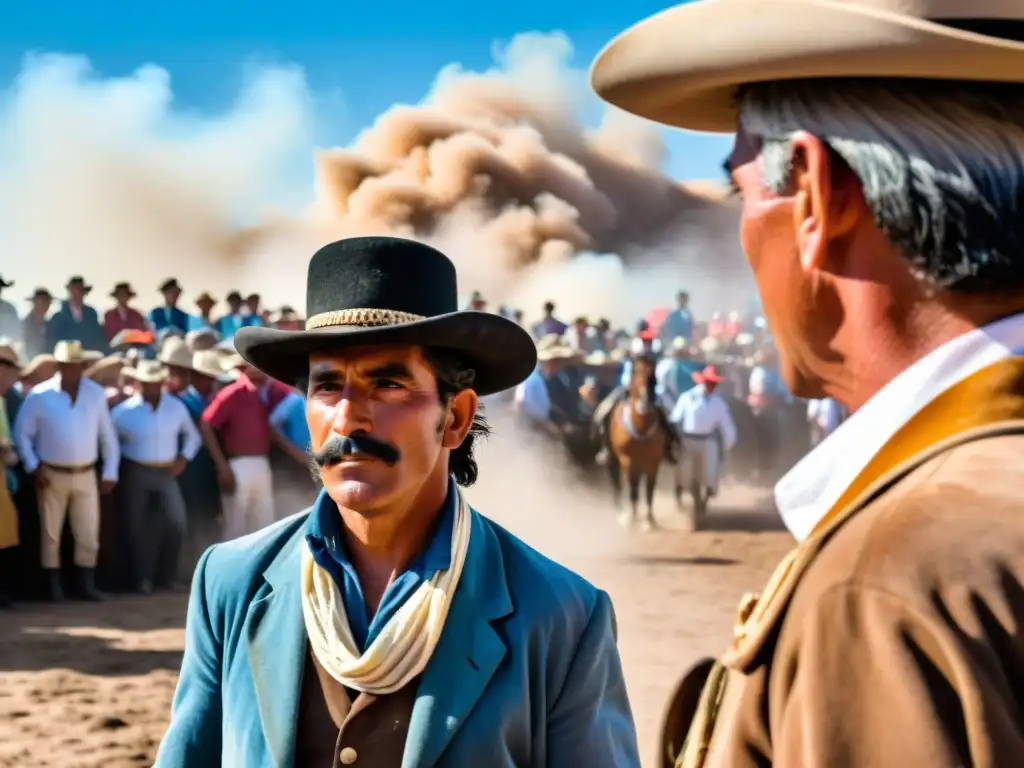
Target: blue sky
<point>371,55</point>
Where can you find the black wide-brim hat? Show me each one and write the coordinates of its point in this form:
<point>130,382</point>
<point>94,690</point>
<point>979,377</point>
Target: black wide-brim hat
<point>382,291</point>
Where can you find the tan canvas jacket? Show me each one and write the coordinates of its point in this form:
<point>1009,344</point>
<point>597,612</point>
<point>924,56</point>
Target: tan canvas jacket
<point>893,636</point>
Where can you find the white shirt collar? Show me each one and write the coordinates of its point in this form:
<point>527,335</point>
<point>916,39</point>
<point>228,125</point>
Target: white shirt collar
<point>809,489</point>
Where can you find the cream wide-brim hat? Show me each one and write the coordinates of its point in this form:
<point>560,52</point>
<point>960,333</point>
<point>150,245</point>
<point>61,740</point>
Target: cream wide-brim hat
<point>682,66</point>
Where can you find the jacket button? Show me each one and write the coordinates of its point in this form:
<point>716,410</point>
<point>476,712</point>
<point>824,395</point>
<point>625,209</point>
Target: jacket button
<point>348,756</point>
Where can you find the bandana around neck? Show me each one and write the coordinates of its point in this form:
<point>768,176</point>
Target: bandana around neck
<point>405,644</point>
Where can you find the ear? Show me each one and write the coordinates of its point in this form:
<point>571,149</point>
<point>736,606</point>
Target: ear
<point>812,198</point>
<point>461,409</point>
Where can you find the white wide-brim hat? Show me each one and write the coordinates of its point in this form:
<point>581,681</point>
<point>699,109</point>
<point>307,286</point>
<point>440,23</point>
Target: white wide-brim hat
<point>682,66</point>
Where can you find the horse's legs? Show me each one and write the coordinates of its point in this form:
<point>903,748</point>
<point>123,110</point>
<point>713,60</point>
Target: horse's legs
<point>652,482</point>
<point>634,491</point>
<point>615,475</point>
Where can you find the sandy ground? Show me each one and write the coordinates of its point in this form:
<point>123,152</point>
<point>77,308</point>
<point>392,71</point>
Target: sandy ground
<point>87,686</point>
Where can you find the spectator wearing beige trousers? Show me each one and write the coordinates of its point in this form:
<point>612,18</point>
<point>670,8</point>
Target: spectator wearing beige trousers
<point>62,429</point>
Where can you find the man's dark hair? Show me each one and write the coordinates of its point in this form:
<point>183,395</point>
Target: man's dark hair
<point>453,376</point>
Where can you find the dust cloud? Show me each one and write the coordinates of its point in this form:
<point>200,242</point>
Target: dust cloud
<point>108,178</point>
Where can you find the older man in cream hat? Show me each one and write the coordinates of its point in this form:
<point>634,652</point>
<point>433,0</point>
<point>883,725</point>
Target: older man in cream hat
<point>879,153</point>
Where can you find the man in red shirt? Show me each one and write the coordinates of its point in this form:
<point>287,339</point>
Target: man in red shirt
<point>122,317</point>
<point>236,431</point>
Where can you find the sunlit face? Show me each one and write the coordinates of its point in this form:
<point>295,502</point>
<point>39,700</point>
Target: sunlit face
<point>391,395</point>
<point>770,233</point>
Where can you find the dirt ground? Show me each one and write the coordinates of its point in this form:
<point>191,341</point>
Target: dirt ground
<point>89,686</point>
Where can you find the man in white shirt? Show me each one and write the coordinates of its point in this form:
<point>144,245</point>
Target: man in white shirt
<point>158,440</point>
<point>62,429</point>
<point>707,430</point>
<point>879,154</point>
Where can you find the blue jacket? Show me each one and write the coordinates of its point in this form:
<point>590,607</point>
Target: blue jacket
<point>161,318</point>
<point>62,326</point>
<point>526,672</point>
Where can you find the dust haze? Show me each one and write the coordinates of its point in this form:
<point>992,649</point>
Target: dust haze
<point>535,190</point>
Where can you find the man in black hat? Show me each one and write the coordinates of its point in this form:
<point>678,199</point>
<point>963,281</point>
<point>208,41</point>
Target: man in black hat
<point>76,320</point>
<point>169,315</point>
<point>391,624</point>
<point>10,326</point>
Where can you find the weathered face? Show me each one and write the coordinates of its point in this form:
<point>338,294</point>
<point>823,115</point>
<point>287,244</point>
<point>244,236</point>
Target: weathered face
<point>787,239</point>
<point>390,396</point>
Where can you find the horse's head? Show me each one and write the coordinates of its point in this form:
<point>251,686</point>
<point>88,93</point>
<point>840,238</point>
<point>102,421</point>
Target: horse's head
<point>641,384</point>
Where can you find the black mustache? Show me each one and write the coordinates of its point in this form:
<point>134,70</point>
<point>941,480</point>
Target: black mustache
<point>338,447</point>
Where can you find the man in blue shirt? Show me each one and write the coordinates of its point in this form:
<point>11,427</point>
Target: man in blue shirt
<point>391,625</point>
<point>170,315</point>
<point>679,322</point>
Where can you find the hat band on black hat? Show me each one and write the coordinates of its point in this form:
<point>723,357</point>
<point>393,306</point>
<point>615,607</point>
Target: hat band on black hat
<point>366,318</point>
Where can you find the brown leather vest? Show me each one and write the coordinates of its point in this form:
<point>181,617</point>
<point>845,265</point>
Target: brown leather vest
<point>338,727</point>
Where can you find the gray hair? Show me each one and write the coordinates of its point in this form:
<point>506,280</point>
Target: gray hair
<point>941,165</point>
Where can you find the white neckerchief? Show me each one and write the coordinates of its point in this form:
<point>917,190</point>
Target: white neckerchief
<point>405,644</point>
<point>810,489</point>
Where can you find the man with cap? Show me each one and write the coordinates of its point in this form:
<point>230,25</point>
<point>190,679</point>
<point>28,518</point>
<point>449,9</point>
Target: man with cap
<point>170,315</point>
<point>391,624</point>
<point>158,440</point>
<point>76,320</point>
<point>123,317</point>
<point>879,153</point>
<point>34,339</point>
<point>10,325</point>
<point>62,430</point>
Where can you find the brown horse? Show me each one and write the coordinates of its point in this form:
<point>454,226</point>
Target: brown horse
<point>637,442</point>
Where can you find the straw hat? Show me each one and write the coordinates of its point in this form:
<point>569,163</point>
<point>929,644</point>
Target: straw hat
<point>598,359</point>
<point>210,363</point>
<point>71,352</point>
<point>147,372</point>
<point>8,354</point>
<point>35,364</point>
<point>175,352</point>
<point>683,65</point>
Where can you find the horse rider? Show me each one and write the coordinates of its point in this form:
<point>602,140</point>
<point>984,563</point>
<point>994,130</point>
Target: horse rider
<point>603,412</point>
<point>879,152</point>
<point>707,431</point>
<point>391,624</point>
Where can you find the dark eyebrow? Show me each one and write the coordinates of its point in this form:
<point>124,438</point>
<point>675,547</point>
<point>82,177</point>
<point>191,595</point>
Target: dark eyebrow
<point>324,375</point>
<point>390,371</point>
